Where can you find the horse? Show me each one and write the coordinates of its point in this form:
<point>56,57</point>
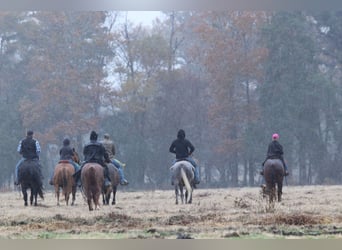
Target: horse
<point>274,175</point>
<point>115,180</point>
<point>92,178</point>
<point>63,178</point>
<point>182,173</point>
<point>29,178</point>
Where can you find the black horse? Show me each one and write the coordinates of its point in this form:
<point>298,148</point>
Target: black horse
<point>274,175</point>
<point>30,178</point>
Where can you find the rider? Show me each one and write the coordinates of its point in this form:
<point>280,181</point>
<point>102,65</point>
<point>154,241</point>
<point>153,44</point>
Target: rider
<point>110,149</point>
<point>66,153</point>
<point>183,149</point>
<point>29,148</point>
<point>94,152</point>
<point>275,151</point>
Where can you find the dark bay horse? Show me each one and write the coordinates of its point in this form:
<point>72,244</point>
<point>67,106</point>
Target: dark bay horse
<point>183,176</point>
<point>274,175</point>
<point>29,178</point>
<point>115,180</point>
<point>92,178</point>
<point>63,178</point>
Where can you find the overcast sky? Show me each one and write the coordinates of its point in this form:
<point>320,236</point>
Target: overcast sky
<point>143,17</point>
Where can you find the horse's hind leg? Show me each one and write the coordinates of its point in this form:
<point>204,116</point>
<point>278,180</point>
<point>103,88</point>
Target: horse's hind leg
<point>114,196</point>
<point>280,191</point>
<point>31,198</point>
<point>181,193</point>
<point>176,192</point>
<point>24,191</point>
<point>73,192</point>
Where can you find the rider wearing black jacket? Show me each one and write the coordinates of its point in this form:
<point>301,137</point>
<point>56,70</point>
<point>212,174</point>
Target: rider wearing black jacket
<point>94,152</point>
<point>183,149</point>
<point>275,151</point>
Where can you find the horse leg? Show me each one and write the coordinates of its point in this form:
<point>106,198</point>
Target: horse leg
<point>114,196</point>
<point>280,190</point>
<point>35,198</point>
<point>66,197</point>
<point>176,192</point>
<point>186,196</point>
<point>24,191</point>
<point>181,193</point>
<point>31,197</point>
<point>57,193</point>
<point>73,192</point>
<point>89,204</point>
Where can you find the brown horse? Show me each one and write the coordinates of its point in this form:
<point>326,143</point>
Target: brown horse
<point>63,178</point>
<point>92,178</point>
<point>274,175</point>
<point>115,180</point>
<point>183,176</point>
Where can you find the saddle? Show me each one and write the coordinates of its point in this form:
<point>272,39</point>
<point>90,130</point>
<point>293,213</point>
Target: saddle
<point>63,161</point>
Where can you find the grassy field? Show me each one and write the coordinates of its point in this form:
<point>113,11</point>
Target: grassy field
<point>305,212</point>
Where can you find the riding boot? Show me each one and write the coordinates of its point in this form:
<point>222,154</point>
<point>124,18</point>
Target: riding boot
<point>123,181</point>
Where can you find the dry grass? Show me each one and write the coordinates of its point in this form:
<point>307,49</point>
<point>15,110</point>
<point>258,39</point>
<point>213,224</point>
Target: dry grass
<point>309,211</point>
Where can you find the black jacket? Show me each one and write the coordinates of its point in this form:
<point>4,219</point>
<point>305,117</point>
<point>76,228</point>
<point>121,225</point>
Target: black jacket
<point>66,153</point>
<point>181,146</point>
<point>28,148</point>
<point>95,152</point>
<point>275,150</point>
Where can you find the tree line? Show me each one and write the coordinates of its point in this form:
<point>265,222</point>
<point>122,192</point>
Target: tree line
<point>230,79</point>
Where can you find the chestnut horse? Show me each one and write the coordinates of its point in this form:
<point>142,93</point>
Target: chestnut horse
<point>115,180</point>
<point>183,176</point>
<point>274,175</point>
<point>30,178</point>
<point>92,178</point>
<point>63,178</point>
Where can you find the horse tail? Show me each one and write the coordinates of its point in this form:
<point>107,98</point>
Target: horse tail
<point>185,180</point>
<point>65,178</point>
<point>92,176</point>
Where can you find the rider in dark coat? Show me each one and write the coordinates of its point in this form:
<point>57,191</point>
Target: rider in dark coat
<point>183,149</point>
<point>94,152</point>
<point>275,151</point>
<point>29,148</point>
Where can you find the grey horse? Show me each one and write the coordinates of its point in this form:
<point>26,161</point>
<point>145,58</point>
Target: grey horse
<point>183,176</point>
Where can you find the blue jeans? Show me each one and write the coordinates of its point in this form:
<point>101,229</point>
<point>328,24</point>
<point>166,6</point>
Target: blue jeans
<point>196,172</point>
<point>120,170</point>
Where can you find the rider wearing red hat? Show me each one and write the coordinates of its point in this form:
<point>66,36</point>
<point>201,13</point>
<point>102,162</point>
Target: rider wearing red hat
<point>275,151</point>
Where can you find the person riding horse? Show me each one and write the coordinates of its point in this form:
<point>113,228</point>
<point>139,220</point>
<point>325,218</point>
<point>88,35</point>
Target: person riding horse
<point>275,151</point>
<point>183,149</point>
<point>66,154</point>
<point>94,152</point>
<point>110,149</point>
<point>29,148</point>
